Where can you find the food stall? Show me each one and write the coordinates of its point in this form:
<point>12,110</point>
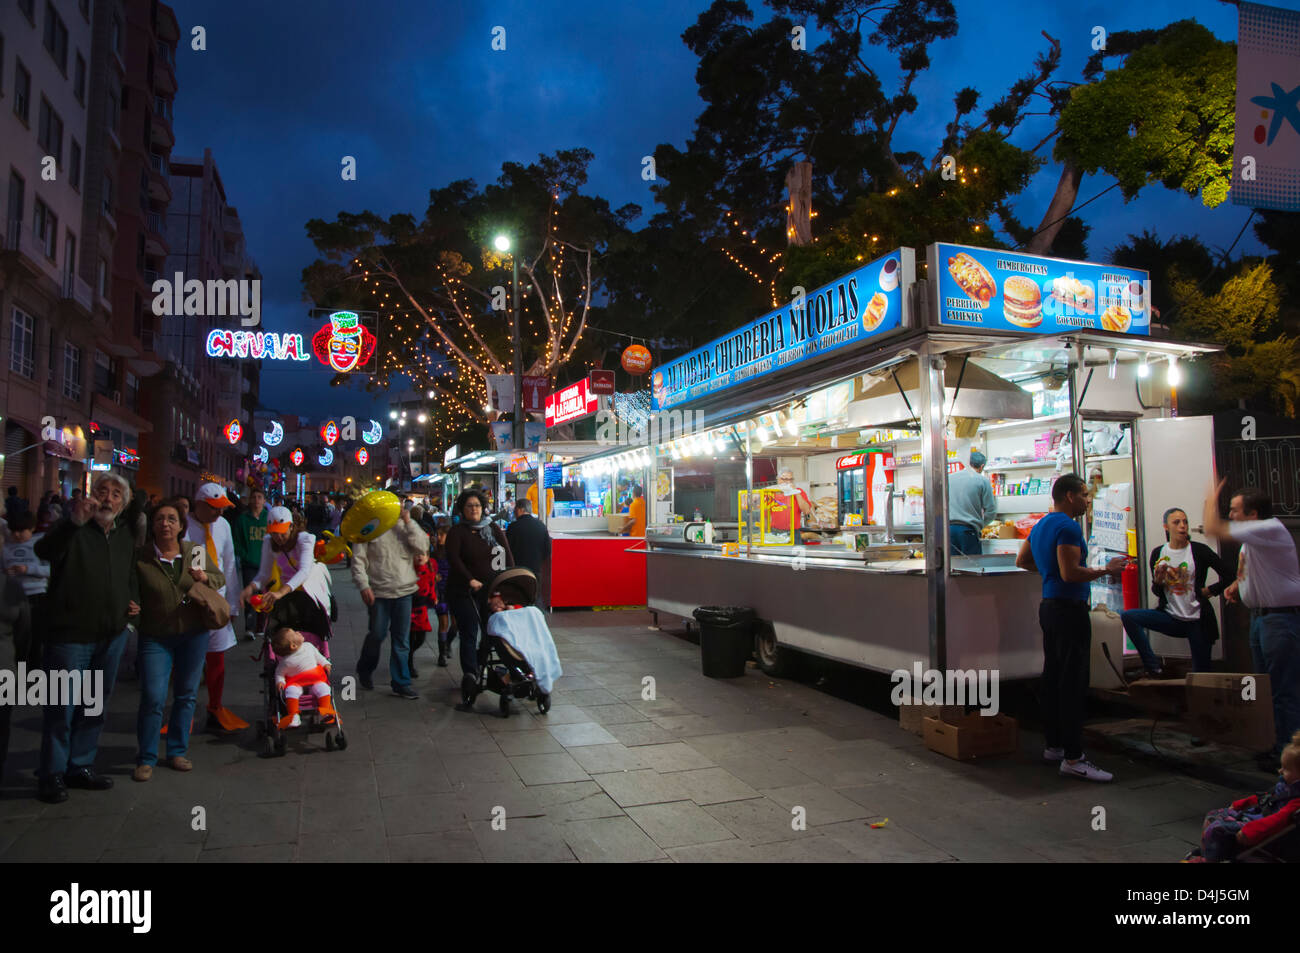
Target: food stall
<point>870,391</point>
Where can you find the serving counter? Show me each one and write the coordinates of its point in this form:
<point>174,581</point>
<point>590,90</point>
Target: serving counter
<point>597,569</point>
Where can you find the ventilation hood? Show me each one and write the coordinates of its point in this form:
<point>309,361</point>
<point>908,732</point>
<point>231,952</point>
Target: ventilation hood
<point>983,395</point>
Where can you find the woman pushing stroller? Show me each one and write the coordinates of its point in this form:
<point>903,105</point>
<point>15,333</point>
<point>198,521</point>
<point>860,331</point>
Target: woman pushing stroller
<point>476,551</point>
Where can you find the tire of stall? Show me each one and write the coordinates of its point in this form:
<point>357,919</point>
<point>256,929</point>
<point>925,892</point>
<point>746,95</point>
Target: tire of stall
<point>774,659</point>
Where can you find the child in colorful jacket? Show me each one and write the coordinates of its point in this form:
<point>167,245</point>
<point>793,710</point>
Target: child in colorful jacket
<point>425,597</point>
<point>440,608</point>
<point>1254,819</point>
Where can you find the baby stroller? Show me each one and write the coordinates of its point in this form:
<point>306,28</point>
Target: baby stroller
<point>502,668</point>
<point>298,611</point>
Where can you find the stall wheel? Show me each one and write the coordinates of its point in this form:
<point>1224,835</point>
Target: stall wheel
<point>268,746</point>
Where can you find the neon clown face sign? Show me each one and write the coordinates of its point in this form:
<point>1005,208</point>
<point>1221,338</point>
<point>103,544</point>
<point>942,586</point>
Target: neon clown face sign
<point>233,431</point>
<point>362,456</point>
<point>329,432</point>
<point>297,457</point>
<point>343,344</point>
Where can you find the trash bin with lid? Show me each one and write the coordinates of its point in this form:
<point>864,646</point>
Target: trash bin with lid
<point>726,639</point>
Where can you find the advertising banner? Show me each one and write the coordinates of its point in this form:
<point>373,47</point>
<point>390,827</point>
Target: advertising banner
<point>1266,147</point>
<point>995,290</point>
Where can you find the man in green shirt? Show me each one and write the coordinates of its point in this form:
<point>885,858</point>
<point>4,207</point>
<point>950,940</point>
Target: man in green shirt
<point>250,528</point>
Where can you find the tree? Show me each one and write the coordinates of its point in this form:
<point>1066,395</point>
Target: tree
<point>444,293</point>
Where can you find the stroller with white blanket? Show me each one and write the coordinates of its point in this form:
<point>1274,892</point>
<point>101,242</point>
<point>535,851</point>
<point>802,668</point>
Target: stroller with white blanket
<point>516,656</point>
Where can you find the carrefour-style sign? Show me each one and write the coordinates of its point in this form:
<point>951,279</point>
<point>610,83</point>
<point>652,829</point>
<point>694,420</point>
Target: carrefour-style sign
<point>373,434</point>
<point>233,431</point>
<point>329,432</point>
<point>273,436</point>
<point>846,313</point>
<point>1266,148</point>
<point>343,344</point>
<point>572,402</point>
<point>997,290</point>
<point>363,456</point>
<point>262,345</point>
<point>297,457</point>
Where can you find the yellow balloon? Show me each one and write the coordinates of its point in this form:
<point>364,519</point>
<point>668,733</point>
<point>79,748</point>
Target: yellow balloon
<point>371,516</point>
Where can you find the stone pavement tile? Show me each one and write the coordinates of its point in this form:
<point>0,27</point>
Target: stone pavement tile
<point>20,801</point>
<point>629,789</point>
<point>11,828</point>
<point>585,698</point>
<point>264,854</point>
<point>892,843</point>
<point>762,772</point>
<point>713,786</point>
<point>72,839</point>
<point>757,820</point>
<point>675,756</point>
<point>267,780</point>
<point>660,707</point>
<point>610,840</point>
<point>576,683</point>
<point>808,850</point>
<point>324,813</point>
<point>423,775</point>
<point>422,814</point>
<point>575,736</point>
<point>525,840</point>
<point>478,768</point>
<point>722,852</point>
<point>388,748</point>
<point>780,742</point>
<point>165,854</point>
<point>1173,800</point>
<point>724,745</point>
<point>514,743</point>
<point>967,834</point>
<point>521,719</point>
<point>688,726</point>
<point>619,714</point>
<point>577,801</point>
<point>823,805</point>
<point>162,825</point>
<point>1188,831</point>
<point>565,715</point>
<point>446,847</point>
<point>679,824</point>
<point>1096,850</point>
<point>453,744</point>
<point>367,846</point>
<point>641,733</point>
<point>548,768</point>
<point>477,801</point>
<point>601,759</point>
<point>253,825</point>
<point>338,778</point>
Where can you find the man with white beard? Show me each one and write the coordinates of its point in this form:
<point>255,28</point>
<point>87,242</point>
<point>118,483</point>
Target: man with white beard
<point>207,529</point>
<point>93,590</point>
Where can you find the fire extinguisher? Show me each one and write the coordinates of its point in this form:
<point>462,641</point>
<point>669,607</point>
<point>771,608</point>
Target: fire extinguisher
<point>1131,584</point>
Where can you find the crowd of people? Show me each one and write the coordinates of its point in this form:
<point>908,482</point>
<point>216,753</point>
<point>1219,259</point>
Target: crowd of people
<point>119,583</point>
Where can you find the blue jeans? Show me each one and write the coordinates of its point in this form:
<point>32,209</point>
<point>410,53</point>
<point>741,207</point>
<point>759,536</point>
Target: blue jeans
<point>1137,621</point>
<point>1275,648</point>
<point>389,616</point>
<point>70,739</point>
<point>180,658</point>
<point>965,540</point>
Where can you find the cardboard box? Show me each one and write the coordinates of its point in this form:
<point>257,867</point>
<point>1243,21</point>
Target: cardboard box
<point>1217,710</point>
<point>912,715</point>
<point>974,736</point>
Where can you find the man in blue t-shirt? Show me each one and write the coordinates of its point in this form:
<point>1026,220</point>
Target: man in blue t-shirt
<point>1057,551</point>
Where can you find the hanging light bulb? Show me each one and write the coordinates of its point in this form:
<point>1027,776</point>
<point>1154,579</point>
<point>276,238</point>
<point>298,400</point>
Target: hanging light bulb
<point>1175,372</point>
<point>718,442</point>
<point>1144,369</point>
<point>776,424</point>
<point>1114,364</point>
<point>761,434</point>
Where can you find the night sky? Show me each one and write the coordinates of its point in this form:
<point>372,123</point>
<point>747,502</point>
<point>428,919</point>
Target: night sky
<point>413,90</point>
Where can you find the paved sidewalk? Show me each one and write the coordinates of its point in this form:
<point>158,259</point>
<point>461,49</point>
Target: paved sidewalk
<point>709,770</point>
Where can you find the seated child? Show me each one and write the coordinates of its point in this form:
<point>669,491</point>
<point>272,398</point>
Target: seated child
<point>300,666</point>
<point>1256,818</point>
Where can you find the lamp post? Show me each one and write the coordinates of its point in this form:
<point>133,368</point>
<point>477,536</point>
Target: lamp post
<point>502,243</point>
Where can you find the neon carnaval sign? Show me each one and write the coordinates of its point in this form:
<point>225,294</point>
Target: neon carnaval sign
<point>374,434</point>
<point>273,436</point>
<point>326,457</point>
<point>343,344</point>
<point>257,344</point>
<point>233,431</point>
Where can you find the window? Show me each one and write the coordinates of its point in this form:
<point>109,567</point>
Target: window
<point>50,132</point>
<point>108,195</point>
<point>116,40</point>
<point>45,226</point>
<point>22,92</point>
<point>103,278</point>
<point>69,258</point>
<point>2,63</point>
<point>22,356</point>
<point>74,165</point>
<point>71,372</point>
<point>56,37</point>
<point>103,373</point>
<point>114,111</point>
<point>16,202</point>
<point>132,390</point>
<point>79,80</point>
<point>51,351</point>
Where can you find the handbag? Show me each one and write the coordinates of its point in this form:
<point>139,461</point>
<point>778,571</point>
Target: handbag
<point>212,606</point>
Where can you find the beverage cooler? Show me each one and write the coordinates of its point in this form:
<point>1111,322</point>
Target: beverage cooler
<point>861,486</point>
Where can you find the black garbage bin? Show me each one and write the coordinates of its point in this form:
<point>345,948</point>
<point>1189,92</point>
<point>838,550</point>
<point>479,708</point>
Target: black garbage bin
<point>726,639</point>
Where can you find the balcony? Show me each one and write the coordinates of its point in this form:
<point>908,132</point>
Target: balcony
<point>22,244</point>
<point>160,133</point>
<point>76,291</point>
<point>155,240</point>
<point>164,73</point>
<point>160,189</point>
<point>167,28</point>
<point>231,224</point>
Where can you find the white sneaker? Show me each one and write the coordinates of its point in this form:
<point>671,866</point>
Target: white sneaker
<point>297,722</point>
<point>1054,755</point>
<point>1084,771</point>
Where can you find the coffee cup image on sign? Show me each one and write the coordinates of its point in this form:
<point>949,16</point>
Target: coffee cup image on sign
<point>875,311</point>
<point>889,275</point>
<point>1022,302</point>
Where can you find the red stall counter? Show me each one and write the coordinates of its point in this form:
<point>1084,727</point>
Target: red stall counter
<point>597,570</point>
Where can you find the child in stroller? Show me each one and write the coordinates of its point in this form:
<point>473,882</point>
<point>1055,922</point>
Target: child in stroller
<point>1258,827</point>
<point>517,656</point>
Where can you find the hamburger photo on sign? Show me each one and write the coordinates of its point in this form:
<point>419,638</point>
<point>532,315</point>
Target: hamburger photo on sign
<point>1022,302</point>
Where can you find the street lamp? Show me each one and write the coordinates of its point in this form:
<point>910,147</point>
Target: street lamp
<point>503,244</point>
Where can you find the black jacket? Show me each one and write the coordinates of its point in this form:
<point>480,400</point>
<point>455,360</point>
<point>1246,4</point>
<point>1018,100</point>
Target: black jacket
<point>530,542</point>
<point>1205,559</point>
<point>92,578</point>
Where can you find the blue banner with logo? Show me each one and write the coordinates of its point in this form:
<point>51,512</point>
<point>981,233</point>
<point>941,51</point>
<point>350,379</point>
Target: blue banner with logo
<point>849,311</point>
<point>1006,291</point>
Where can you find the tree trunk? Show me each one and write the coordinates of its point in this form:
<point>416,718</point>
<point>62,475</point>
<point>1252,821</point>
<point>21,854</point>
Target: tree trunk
<point>1067,190</point>
<point>799,214</point>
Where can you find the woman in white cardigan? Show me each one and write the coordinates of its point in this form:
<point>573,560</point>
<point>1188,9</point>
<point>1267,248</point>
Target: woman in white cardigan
<point>304,596</point>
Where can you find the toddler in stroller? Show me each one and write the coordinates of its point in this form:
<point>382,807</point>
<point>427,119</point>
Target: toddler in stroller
<point>517,656</point>
<point>1259,827</point>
